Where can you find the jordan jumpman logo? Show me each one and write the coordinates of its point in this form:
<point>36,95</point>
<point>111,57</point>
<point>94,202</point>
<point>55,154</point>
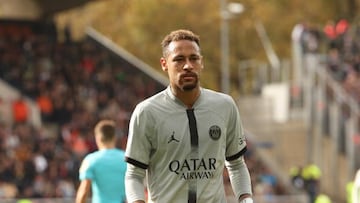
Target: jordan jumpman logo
<point>172,138</point>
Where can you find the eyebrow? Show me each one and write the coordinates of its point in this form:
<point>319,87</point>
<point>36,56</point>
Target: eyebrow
<point>191,55</point>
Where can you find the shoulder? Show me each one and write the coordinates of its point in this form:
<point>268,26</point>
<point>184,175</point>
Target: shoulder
<point>217,97</point>
<point>120,152</point>
<point>86,163</point>
<point>150,106</point>
<point>91,157</point>
<point>151,101</point>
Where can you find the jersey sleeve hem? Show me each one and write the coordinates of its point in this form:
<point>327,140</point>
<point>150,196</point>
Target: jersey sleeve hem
<point>136,163</point>
<point>237,155</point>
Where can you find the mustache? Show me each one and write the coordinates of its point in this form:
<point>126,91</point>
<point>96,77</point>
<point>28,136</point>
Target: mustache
<point>189,74</point>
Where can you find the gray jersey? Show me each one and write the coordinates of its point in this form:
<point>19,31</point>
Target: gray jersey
<point>184,150</point>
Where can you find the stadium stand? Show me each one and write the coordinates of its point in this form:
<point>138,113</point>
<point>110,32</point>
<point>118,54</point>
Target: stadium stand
<point>324,94</point>
<point>321,127</point>
<point>74,84</point>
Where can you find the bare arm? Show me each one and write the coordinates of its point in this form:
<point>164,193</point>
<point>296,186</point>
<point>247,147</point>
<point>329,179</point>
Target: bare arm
<point>83,191</point>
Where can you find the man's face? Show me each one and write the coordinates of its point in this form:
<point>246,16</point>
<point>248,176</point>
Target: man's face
<point>183,64</point>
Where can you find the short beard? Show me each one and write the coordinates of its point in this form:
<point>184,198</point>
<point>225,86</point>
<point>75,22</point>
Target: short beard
<point>188,88</point>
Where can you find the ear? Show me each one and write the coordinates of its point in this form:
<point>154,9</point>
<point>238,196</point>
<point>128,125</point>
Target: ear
<point>163,64</point>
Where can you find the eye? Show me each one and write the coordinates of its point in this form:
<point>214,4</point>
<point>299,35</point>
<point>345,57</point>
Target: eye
<point>194,58</point>
<point>178,59</point>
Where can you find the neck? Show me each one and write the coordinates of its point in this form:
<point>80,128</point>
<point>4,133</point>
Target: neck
<point>187,97</point>
<point>108,146</point>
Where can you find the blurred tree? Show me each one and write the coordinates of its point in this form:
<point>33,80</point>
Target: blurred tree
<point>145,24</point>
<point>138,26</point>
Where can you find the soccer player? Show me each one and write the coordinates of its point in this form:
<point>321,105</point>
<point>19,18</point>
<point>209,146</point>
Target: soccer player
<point>104,170</point>
<point>181,138</point>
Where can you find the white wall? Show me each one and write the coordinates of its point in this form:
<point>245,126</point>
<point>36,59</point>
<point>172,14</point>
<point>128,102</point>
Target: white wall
<point>278,94</point>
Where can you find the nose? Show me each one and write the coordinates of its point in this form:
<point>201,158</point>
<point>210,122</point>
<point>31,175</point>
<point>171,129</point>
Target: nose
<point>188,64</point>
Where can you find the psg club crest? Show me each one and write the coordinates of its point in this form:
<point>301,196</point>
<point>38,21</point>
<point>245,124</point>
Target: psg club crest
<point>215,132</point>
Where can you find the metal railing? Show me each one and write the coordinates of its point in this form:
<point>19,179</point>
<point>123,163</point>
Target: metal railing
<point>331,115</point>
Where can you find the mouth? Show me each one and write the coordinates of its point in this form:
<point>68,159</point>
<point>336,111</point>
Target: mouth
<point>189,76</point>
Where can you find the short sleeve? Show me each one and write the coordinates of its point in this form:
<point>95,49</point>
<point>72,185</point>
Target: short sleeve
<point>235,137</point>
<point>138,146</point>
<point>85,171</point>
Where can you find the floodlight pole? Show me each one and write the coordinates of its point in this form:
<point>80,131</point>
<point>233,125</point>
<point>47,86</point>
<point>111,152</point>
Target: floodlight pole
<point>224,40</point>
<point>227,11</point>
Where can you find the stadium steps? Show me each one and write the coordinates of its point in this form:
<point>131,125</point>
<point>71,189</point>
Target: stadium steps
<point>281,145</point>
<point>284,145</point>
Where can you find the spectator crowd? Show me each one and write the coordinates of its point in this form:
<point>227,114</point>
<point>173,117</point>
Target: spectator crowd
<point>74,85</point>
<point>339,41</point>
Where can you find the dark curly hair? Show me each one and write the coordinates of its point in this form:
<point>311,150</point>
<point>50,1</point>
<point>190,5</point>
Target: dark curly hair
<point>178,35</point>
